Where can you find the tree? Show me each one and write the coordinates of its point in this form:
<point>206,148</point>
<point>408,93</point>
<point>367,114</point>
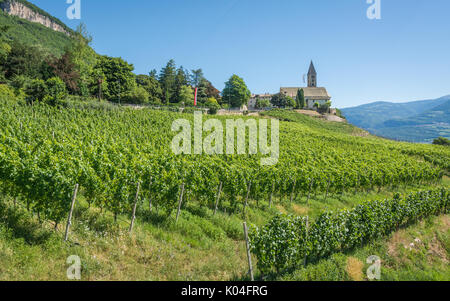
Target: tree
<point>151,85</point>
<point>196,77</point>
<point>300,99</point>
<point>56,91</point>
<point>324,108</point>
<point>181,80</point>
<point>65,69</point>
<point>5,49</point>
<point>187,96</point>
<point>167,79</point>
<point>441,141</point>
<point>262,103</point>
<point>24,60</point>
<point>282,101</point>
<point>84,58</point>
<point>118,75</point>
<point>236,92</point>
<point>211,91</point>
<point>136,96</point>
<point>35,91</point>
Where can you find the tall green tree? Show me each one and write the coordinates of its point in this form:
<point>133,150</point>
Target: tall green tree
<point>300,99</point>
<point>196,77</point>
<point>167,80</point>
<point>236,92</point>
<point>84,59</point>
<point>151,85</point>
<point>181,80</point>
<point>187,96</point>
<point>119,77</point>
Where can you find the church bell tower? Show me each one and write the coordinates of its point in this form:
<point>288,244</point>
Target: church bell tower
<point>312,76</point>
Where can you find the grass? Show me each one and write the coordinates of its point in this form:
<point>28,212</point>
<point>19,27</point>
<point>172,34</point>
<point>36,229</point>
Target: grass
<point>200,246</point>
<point>418,253</point>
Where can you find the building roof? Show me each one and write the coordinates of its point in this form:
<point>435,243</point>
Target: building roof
<point>312,70</point>
<point>314,93</point>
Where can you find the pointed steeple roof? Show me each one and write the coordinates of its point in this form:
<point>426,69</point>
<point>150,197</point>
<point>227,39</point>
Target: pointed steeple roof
<point>312,70</point>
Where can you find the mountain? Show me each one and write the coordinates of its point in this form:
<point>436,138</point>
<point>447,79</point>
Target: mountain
<point>33,26</point>
<point>418,121</point>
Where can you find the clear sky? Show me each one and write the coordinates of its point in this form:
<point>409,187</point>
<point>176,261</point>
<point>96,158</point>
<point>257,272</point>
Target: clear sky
<point>404,56</point>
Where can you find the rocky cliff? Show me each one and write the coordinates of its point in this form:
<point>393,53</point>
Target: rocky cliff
<point>21,10</point>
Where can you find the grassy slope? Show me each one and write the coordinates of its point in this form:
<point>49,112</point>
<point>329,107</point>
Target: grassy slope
<point>35,34</point>
<point>199,247</point>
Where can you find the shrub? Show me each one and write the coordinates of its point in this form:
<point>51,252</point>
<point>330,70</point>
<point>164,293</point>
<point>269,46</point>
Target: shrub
<point>136,96</point>
<point>441,141</point>
<point>6,91</point>
<point>7,94</point>
<point>35,91</point>
<point>56,91</point>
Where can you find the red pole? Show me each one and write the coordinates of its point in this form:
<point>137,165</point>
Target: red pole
<point>195,97</point>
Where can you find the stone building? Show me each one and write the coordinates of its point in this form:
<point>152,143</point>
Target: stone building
<point>312,93</point>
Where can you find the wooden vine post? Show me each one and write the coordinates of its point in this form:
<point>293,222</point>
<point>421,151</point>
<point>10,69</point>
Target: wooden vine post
<point>180,201</point>
<point>149,194</point>
<point>249,257</point>
<point>307,229</point>
<point>271,195</point>
<point>293,190</point>
<point>328,189</point>
<point>133,217</point>
<point>218,198</point>
<point>248,194</point>
<point>69,219</point>
<point>310,189</point>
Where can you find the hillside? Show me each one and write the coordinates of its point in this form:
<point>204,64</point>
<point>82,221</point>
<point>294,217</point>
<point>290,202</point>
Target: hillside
<point>108,150</point>
<point>36,34</point>
<point>419,121</point>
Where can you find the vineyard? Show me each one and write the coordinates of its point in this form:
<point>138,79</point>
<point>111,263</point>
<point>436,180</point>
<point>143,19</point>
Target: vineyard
<point>45,151</point>
<point>288,241</point>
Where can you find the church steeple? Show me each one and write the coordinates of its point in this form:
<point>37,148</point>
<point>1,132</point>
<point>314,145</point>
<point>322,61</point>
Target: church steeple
<point>312,76</point>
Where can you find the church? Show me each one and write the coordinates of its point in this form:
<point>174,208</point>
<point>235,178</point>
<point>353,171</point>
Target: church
<point>312,93</point>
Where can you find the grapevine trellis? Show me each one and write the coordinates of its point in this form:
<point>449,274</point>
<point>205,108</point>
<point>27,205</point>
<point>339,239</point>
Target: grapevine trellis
<point>288,241</point>
<point>45,152</point>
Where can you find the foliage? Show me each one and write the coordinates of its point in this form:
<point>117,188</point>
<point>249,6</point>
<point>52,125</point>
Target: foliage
<point>286,241</point>
<point>56,91</point>
<point>262,103</point>
<point>187,96</point>
<point>300,99</point>
<point>118,75</point>
<point>282,101</point>
<point>34,34</point>
<point>118,147</point>
<point>36,91</point>
<point>324,108</point>
<point>137,96</point>
<point>236,92</point>
<point>441,141</point>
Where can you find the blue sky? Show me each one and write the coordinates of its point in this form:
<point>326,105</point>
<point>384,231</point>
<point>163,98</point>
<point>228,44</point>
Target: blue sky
<point>402,57</point>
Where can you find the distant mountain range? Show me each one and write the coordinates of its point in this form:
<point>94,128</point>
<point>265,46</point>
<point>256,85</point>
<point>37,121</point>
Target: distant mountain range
<point>418,121</point>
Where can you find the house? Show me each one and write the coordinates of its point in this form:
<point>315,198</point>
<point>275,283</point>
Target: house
<point>313,94</point>
<point>255,97</point>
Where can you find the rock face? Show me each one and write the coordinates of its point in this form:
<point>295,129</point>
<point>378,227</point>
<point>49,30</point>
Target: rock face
<point>22,11</point>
